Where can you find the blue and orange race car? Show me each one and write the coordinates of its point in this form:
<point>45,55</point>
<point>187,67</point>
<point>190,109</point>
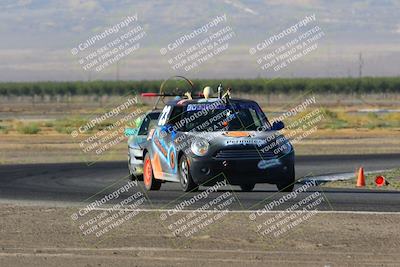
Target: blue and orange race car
<point>201,141</point>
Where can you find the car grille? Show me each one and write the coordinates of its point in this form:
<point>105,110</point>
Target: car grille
<point>244,154</point>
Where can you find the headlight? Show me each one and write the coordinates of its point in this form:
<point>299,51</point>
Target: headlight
<point>200,147</point>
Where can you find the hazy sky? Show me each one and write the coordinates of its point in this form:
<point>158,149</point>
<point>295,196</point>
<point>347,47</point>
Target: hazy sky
<point>37,37</point>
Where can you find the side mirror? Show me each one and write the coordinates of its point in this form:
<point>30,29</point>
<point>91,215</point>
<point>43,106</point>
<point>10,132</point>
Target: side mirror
<point>131,131</point>
<point>277,125</point>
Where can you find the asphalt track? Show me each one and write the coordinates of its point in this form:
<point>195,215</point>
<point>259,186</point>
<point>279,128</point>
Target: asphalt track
<point>78,184</point>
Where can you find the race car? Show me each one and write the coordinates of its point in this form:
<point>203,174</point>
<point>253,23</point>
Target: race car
<point>201,141</point>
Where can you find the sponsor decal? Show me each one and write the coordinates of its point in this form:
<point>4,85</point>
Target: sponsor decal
<point>205,106</point>
<point>246,141</point>
<point>237,134</point>
<point>263,164</point>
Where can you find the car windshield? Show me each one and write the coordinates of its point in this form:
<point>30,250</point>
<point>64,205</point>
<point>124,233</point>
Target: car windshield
<point>227,117</point>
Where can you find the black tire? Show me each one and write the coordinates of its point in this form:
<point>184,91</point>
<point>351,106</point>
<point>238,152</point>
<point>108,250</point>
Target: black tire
<point>287,185</point>
<point>185,177</point>
<point>247,187</point>
<point>150,183</point>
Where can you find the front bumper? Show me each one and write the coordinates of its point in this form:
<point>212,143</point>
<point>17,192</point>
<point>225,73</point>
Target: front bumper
<point>135,161</point>
<point>207,171</point>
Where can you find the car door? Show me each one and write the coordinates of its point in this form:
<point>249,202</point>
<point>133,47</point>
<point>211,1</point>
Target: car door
<point>164,156</point>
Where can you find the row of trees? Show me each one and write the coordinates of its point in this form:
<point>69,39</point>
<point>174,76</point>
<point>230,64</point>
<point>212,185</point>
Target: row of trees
<point>318,85</point>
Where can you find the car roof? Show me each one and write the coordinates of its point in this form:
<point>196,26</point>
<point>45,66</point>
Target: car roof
<point>185,102</point>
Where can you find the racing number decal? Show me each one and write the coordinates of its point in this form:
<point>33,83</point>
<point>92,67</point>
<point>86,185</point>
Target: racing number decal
<point>164,115</point>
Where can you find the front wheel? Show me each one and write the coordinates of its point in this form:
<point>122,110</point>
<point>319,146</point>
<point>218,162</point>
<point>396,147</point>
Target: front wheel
<point>150,183</point>
<point>287,185</point>
<point>185,177</point>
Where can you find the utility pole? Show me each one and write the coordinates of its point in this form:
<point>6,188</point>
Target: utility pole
<point>360,65</point>
<point>117,74</point>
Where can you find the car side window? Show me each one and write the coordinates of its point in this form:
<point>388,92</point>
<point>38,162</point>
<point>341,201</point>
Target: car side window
<point>176,115</point>
<point>150,121</point>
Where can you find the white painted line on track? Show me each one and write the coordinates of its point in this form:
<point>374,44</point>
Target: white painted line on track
<point>252,211</point>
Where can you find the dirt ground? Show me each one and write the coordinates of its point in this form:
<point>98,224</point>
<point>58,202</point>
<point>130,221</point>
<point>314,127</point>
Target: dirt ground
<point>47,236</point>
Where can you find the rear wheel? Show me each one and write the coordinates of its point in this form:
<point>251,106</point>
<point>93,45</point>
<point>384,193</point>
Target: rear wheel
<point>150,183</point>
<point>185,178</point>
<point>247,187</point>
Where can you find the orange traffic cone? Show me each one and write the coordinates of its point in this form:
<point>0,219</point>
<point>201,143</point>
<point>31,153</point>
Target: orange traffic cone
<point>361,177</point>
